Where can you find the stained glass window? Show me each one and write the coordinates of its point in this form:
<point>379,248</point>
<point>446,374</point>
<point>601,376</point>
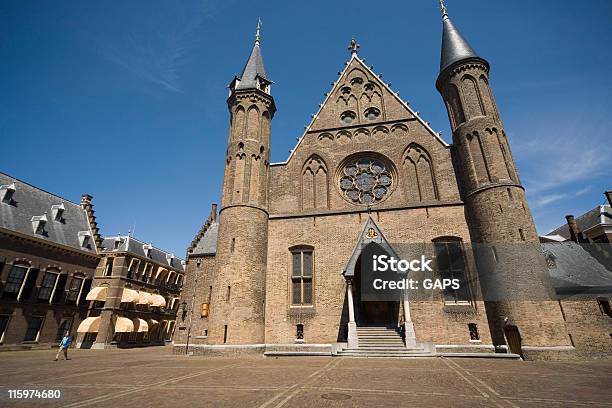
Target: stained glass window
<point>365,181</point>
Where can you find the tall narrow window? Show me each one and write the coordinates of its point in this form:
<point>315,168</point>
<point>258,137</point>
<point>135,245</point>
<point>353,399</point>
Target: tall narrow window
<point>474,336</point>
<point>233,245</point>
<point>109,267</point>
<point>451,265</point>
<point>14,281</point>
<point>229,292</point>
<point>209,294</point>
<point>47,285</point>
<point>522,234</point>
<point>34,325</point>
<point>509,194</point>
<point>225,334</point>
<point>74,290</point>
<point>301,277</point>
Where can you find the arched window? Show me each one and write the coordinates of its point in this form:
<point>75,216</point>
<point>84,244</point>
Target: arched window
<point>451,264</point>
<point>348,117</point>
<point>301,276</point>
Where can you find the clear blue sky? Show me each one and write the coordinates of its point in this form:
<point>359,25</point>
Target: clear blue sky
<point>126,100</point>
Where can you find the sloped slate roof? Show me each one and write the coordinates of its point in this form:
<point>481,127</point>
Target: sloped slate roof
<point>29,201</point>
<point>576,268</point>
<point>602,214</point>
<point>135,247</point>
<point>454,47</point>
<point>207,245</point>
<point>253,68</point>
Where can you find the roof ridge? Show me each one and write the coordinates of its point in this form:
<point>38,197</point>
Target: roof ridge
<point>40,189</point>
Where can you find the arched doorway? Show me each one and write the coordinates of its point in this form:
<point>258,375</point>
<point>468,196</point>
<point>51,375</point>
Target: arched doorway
<point>372,312</point>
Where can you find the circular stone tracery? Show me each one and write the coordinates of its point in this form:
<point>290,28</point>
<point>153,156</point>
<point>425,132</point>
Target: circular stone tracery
<point>365,181</point>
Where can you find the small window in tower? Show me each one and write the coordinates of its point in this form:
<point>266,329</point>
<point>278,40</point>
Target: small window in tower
<point>225,334</point>
<point>522,234</point>
<point>229,293</point>
<point>509,194</point>
<point>372,114</point>
<point>299,335</point>
<point>233,245</point>
<point>604,306</point>
<point>474,336</point>
<point>348,117</point>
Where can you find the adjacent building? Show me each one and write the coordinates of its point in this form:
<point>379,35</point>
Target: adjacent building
<point>58,273</point>
<point>48,256</point>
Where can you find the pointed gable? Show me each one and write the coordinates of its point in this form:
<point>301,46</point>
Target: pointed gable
<point>353,101</point>
<point>370,233</point>
<point>359,97</point>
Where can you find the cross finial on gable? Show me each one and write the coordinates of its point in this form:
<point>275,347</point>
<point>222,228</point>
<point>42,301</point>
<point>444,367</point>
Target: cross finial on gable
<point>353,46</point>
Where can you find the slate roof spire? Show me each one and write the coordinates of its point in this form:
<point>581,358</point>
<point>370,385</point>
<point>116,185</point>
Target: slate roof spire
<point>455,48</point>
<point>254,72</point>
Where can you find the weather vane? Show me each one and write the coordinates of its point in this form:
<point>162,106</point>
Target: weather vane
<point>443,8</point>
<point>353,46</point>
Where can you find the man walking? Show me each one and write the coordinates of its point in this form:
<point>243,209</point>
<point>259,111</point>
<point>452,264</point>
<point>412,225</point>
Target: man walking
<point>64,344</point>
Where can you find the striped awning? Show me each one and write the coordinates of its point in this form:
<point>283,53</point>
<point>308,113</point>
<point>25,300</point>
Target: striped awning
<point>158,300</point>
<point>124,325</point>
<point>144,298</point>
<point>97,294</point>
<point>129,296</point>
<point>140,325</point>
<point>89,325</point>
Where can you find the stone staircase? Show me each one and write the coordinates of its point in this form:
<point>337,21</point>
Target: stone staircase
<point>381,341</point>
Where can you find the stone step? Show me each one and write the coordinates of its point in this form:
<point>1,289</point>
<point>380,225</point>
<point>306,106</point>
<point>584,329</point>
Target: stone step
<point>381,348</point>
<point>384,355</point>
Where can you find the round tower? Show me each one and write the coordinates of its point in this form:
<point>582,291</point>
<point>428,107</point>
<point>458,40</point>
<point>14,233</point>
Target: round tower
<point>238,293</point>
<point>511,266</point>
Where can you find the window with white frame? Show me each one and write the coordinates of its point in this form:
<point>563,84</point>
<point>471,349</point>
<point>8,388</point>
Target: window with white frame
<point>47,285</point>
<point>15,279</point>
<point>4,320</point>
<point>74,290</point>
<point>33,330</point>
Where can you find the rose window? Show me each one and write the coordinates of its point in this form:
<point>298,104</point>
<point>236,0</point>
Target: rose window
<point>365,181</point>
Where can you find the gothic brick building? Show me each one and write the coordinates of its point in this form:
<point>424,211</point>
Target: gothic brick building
<point>278,272</point>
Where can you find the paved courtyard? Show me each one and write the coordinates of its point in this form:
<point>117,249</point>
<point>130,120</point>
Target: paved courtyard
<point>155,378</point>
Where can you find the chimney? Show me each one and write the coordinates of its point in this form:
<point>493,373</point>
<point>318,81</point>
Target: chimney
<point>575,234</point>
<point>609,197</point>
<point>213,211</point>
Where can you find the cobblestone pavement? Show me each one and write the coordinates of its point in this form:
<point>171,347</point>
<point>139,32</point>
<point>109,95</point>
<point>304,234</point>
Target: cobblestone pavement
<point>153,377</point>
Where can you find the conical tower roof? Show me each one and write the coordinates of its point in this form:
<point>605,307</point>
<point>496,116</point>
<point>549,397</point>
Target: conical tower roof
<point>254,67</point>
<point>455,47</point>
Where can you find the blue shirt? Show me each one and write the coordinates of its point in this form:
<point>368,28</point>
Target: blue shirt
<point>66,341</point>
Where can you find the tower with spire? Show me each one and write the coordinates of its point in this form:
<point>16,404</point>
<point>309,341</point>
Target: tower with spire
<point>501,226</point>
<point>238,295</point>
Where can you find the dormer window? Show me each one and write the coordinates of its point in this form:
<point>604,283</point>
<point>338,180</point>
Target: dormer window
<point>372,114</point>
<point>348,117</point>
<point>146,248</point>
<point>169,258</point>
<point>6,193</point>
<point>117,243</point>
<point>38,224</point>
<point>57,211</point>
<point>84,239</point>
